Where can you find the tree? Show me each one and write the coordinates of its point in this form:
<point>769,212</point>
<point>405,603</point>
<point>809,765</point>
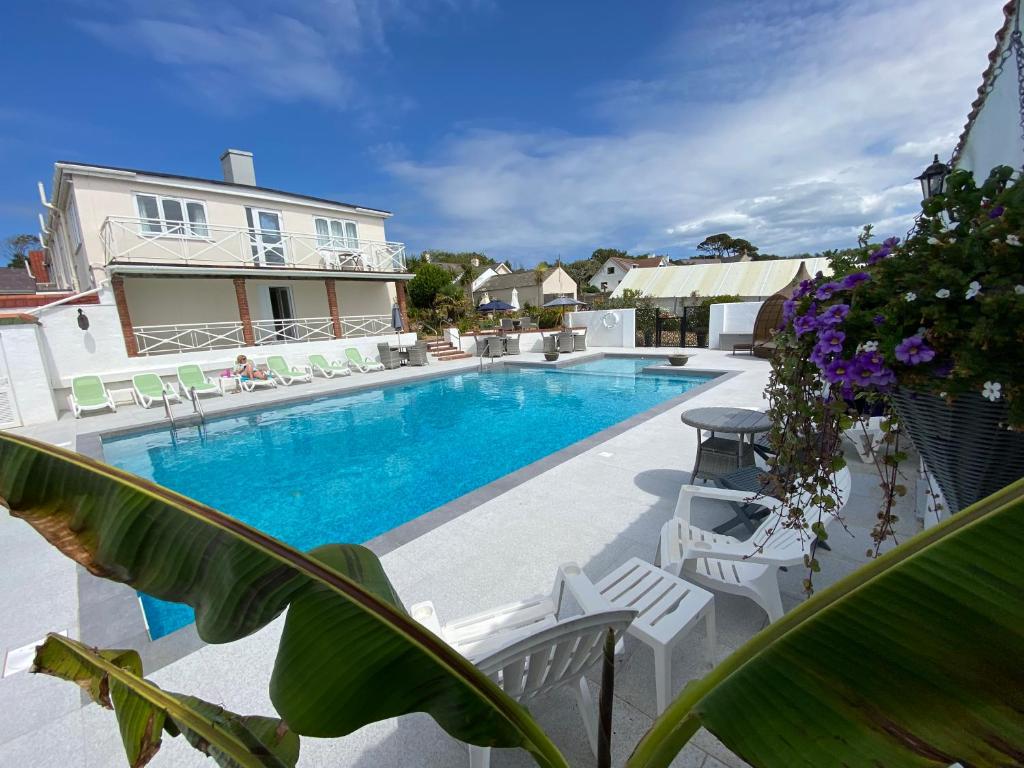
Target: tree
<point>743,249</point>
<point>15,249</point>
<point>430,279</point>
<point>601,255</point>
<point>715,246</point>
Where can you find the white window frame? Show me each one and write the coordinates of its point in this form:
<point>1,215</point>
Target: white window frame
<point>335,244</point>
<point>74,227</point>
<point>191,229</point>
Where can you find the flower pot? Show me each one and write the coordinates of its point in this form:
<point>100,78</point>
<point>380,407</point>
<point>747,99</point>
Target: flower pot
<point>551,356</point>
<point>965,445</point>
<point>678,359</point>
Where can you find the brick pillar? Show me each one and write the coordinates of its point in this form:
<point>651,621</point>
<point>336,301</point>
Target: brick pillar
<point>332,305</point>
<point>243,312</point>
<point>117,284</point>
<point>400,295</point>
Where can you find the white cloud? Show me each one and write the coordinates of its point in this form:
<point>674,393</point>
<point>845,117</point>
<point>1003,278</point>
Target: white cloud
<point>794,150</point>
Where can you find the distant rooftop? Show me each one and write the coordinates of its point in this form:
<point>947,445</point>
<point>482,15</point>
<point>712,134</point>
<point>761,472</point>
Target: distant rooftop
<point>16,280</point>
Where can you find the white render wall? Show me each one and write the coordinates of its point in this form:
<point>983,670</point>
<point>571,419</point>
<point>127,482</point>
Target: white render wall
<point>737,317</point>
<point>994,138</point>
<point>621,333</point>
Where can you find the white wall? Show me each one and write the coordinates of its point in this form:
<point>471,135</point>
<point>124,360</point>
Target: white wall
<point>27,370</point>
<point>621,333</point>
<point>737,317</point>
<point>364,297</point>
<point>167,301</point>
<point>994,138</point>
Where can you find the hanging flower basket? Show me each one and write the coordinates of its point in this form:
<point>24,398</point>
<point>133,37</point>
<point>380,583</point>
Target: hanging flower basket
<point>965,444</point>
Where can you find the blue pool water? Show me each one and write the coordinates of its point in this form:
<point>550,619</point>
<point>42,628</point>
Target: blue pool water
<point>347,468</point>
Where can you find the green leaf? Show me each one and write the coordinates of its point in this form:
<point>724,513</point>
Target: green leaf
<point>912,660</point>
<point>144,711</point>
<point>349,654</point>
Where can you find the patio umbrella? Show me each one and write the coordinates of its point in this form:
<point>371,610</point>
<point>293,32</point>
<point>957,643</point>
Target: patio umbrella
<point>396,322</point>
<point>495,306</point>
<point>562,302</point>
<point>515,298</point>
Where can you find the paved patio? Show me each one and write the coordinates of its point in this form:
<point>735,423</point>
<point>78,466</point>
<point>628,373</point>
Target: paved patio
<point>597,508</point>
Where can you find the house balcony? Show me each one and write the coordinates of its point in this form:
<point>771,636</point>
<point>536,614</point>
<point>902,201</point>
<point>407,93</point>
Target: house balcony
<point>196,337</point>
<point>131,242</point>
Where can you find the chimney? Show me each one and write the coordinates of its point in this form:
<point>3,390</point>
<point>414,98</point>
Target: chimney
<point>426,257</point>
<point>237,167</point>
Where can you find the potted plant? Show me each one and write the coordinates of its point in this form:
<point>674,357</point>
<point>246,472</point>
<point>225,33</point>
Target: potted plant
<point>930,331</point>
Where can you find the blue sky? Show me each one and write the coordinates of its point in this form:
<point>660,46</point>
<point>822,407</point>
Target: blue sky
<point>523,129</point>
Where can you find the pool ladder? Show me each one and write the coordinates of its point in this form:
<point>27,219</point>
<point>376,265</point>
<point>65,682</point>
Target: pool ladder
<point>167,410</point>
<point>197,407</point>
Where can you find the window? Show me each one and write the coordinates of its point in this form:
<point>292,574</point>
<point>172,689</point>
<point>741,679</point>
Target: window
<point>74,228</point>
<point>172,216</point>
<point>611,270</point>
<point>336,234</point>
<point>604,286</point>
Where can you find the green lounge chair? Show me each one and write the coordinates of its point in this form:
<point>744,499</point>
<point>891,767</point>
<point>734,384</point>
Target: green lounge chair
<point>361,364</point>
<point>192,378</point>
<point>89,394</point>
<point>286,373</point>
<point>329,369</point>
<point>150,388</point>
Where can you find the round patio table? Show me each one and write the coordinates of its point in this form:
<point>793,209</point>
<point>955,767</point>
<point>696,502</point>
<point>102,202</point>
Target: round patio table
<point>717,456</point>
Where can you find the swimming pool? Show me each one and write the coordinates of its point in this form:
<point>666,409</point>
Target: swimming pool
<point>346,468</point>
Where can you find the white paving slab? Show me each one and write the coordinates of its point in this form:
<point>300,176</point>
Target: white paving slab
<point>599,508</point>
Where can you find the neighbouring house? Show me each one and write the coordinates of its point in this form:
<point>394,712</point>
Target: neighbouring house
<point>526,287</point>
<point>992,134</point>
<point>614,269</point>
<point>500,268</point>
<point>186,269</point>
<point>675,287</point>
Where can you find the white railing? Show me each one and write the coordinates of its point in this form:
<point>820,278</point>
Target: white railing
<point>195,337</point>
<point>169,339</point>
<point>127,240</point>
<point>298,329</point>
<point>365,325</point>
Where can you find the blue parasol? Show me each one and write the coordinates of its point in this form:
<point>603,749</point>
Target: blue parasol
<point>495,306</point>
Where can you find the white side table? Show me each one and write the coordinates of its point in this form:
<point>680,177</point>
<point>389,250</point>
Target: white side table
<point>668,609</point>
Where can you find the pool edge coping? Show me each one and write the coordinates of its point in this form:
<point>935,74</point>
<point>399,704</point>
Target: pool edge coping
<point>106,608</point>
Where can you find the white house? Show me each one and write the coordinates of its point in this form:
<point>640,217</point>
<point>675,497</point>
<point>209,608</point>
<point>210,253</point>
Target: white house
<point>185,269</point>
<point>526,287</point>
<point>992,135</point>
<point>614,269</point>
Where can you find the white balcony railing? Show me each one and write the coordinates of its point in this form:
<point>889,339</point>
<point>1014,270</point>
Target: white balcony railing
<point>195,337</point>
<point>127,241</point>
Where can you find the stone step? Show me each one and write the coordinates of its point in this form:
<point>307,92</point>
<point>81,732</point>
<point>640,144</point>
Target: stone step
<point>447,352</point>
<point>456,355</point>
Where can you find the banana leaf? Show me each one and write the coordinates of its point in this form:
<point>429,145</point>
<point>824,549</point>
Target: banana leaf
<point>914,659</point>
<point>113,679</point>
<point>349,653</point>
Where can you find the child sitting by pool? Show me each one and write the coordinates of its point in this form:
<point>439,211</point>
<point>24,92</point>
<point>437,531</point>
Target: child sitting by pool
<point>245,369</point>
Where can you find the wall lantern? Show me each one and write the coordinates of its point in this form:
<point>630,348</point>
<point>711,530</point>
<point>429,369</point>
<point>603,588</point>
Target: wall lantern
<point>933,180</point>
<point>83,321</point>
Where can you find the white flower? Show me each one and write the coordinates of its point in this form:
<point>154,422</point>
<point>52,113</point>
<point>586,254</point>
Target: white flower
<point>870,346</point>
<point>934,241</point>
<point>973,289</point>
<point>910,296</point>
<point>942,395</point>
<point>1013,240</point>
<point>942,293</point>
<point>1018,289</point>
<point>993,390</point>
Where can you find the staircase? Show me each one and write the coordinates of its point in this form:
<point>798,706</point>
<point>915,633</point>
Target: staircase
<point>443,350</point>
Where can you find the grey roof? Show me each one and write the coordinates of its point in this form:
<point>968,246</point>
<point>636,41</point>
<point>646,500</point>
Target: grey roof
<point>454,269</point>
<point>221,183</point>
<point>16,280</point>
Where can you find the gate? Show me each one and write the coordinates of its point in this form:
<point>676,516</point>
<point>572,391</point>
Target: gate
<point>8,407</point>
<point>688,330</point>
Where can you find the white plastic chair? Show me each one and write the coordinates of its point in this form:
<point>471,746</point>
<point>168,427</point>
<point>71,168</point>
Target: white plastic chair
<point>866,436</point>
<point>528,649</point>
<point>725,564</point>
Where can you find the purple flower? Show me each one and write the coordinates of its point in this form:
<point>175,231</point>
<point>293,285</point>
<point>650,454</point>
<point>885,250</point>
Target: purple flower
<point>788,310</point>
<point>837,371</point>
<point>878,255</point>
<point>878,320</point>
<point>854,279</point>
<point>803,289</point>
<point>891,242</point>
<point>835,314</point>
<point>824,293</point>
<point>831,340</point>
<point>912,350</point>
<point>996,212</point>
<point>805,324</point>
<point>865,368</point>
